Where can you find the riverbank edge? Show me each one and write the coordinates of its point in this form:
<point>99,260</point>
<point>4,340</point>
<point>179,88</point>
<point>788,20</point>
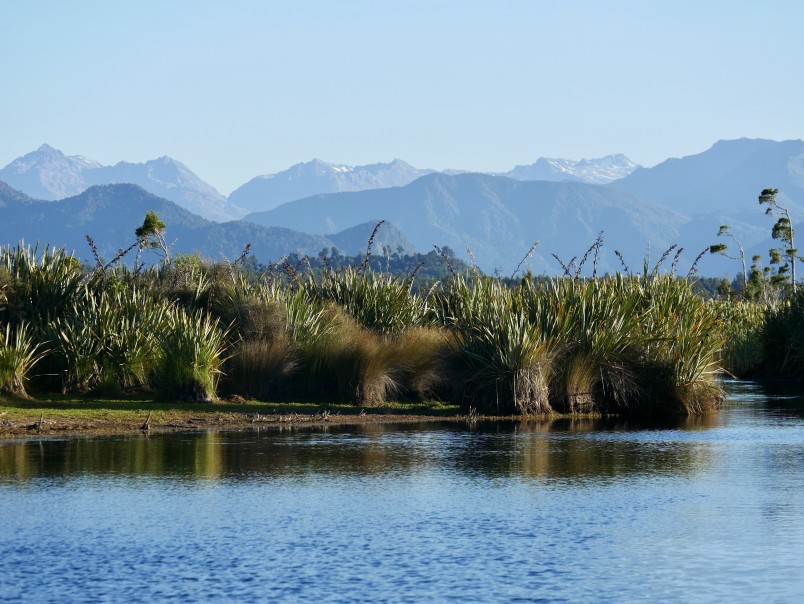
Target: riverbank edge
<point>71,417</point>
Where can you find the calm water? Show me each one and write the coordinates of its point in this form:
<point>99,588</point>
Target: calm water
<point>705,510</point>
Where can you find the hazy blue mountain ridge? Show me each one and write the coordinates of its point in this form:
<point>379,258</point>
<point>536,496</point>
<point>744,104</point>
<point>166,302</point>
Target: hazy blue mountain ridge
<point>111,213</point>
<point>170,179</point>
<point>679,201</point>
<point>48,174</point>
<point>9,195</point>
<point>316,177</point>
<point>319,177</point>
<point>729,175</point>
<point>497,217</point>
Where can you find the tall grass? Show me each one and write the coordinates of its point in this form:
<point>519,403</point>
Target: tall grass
<point>350,362</point>
<point>37,285</point>
<point>18,355</point>
<point>271,325</point>
<point>783,338</point>
<point>191,356</point>
<point>743,324</point>
<point>421,357</point>
<point>380,302</point>
<point>502,360</point>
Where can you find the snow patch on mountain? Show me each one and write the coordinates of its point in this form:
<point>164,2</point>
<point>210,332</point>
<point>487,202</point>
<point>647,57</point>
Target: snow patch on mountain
<point>319,177</point>
<point>591,171</point>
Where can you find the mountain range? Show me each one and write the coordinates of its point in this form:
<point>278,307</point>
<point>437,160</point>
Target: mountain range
<point>111,213</point>
<point>679,201</point>
<point>498,218</point>
<point>727,176</point>
<point>48,174</point>
<point>317,177</point>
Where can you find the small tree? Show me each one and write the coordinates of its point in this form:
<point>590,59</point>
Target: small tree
<point>758,279</point>
<point>721,248</point>
<point>151,235</point>
<point>783,229</point>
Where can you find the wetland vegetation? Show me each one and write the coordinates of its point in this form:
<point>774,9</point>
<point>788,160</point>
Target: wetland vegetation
<point>191,330</point>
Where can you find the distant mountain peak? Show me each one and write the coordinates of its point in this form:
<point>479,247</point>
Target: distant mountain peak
<point>318,176</point>
<point>598,171</point>
<point>47,154</point>
<point>48,174</point>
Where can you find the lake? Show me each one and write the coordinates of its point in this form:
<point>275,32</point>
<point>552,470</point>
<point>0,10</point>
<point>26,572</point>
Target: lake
<point>704,509</point>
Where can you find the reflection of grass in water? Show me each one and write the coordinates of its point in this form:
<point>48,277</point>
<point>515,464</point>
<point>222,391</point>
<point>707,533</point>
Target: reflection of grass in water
<point>589,447</point>
<point>557,449</point>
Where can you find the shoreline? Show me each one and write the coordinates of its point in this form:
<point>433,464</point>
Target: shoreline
<point>36,427</point>
<point>72,417</point>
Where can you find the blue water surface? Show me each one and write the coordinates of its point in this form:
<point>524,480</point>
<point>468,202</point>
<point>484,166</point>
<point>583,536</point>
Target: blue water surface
<point>700,510</point>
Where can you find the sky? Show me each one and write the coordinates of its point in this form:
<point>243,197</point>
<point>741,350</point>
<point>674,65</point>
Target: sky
<point>243,88</point>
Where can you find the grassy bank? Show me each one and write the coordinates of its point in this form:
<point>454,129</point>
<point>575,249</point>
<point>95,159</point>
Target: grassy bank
<point>71,415</point>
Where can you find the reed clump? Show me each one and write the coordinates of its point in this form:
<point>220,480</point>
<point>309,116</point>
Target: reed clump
<point>783,338</point>
<point>608,345</point>
<point>190,356</point>
<point>743,324</point>
<point>18,355</point>
<point>499,356</point>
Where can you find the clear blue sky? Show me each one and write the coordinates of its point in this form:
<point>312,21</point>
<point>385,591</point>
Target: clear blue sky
<point>243,88</point>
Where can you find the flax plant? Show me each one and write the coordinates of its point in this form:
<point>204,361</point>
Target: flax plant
<point>601,347</point>
<point>685,343</point>
<point>18,355</point>
<point>380,302</point>
<point>191,356</point>
<point>129,324</point>
<point>501,357</point>
<point>76,351</point>
<point>37,285</point>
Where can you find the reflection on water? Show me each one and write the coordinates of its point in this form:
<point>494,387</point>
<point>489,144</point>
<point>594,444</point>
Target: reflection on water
<point>537,449</point>
<point>703,509</point>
